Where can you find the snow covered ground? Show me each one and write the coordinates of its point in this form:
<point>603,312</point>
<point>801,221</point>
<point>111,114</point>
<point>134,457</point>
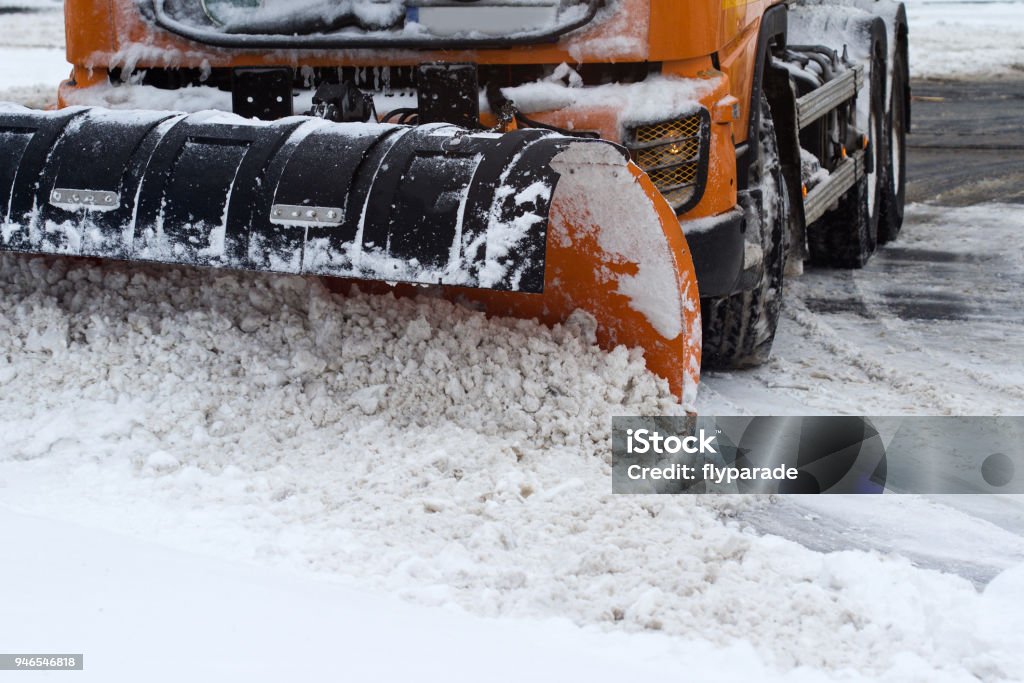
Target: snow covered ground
<point>32,52</point>
<point>140,610</point>
<point>933,325</point>
<point>170,616</point>
<point>966,39</point>
<point>415,449</point>
<point>252,473</point>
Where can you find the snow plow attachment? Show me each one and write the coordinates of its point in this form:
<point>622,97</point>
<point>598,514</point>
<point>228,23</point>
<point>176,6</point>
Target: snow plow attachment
<point>526,224</point>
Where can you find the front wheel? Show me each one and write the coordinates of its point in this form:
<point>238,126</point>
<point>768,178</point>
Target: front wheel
<point>739,329</point>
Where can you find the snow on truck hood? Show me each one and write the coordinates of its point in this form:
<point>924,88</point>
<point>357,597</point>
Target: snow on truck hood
<point>656,98</point>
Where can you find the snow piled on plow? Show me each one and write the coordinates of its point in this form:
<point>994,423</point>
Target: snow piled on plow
<point>415,447</point>
<point>290,341</point>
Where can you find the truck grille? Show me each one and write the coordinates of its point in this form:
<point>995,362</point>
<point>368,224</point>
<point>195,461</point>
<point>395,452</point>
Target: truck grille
<point>669,130</point>
<point>674,155</point>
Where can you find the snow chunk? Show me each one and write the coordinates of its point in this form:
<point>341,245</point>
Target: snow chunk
<point>161,462</point>
<point>656,98</point>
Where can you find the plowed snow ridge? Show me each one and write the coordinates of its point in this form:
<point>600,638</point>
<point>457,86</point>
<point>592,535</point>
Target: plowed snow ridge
<point>418,447</point>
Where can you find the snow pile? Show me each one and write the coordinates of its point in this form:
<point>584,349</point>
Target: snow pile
<point>133,96</point>
<point>418,447</point>
<point>261,625</point>
<point>293,348</point>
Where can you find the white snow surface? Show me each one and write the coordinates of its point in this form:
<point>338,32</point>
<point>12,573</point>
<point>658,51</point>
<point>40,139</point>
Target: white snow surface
<point>905,335</point>
<point>967,39</point>
<point>32,53</point>
<point>227,619</point>
<point>29,66</point>
<point>54,5</point>
<point>633,103</point>
<point>213,620</point>
<point>134,96</point>
<point>43,27</point>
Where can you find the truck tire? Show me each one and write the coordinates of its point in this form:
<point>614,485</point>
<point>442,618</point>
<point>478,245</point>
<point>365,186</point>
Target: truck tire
<point>896,161</point>
<point>739,329</point>
<point>847,236</point>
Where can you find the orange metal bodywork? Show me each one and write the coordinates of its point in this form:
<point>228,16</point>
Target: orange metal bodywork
<point>709,40</point>
<point>683,35</point>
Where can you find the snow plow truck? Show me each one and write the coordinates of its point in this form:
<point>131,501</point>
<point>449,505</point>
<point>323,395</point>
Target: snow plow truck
<point>662,165</point>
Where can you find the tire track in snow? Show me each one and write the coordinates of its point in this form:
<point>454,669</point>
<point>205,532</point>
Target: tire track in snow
<point>817,332</point>
<point>932,325</point>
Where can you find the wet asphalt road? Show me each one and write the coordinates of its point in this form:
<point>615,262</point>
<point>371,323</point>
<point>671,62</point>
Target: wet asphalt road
<point>967,142</point>
<point>966,148</point>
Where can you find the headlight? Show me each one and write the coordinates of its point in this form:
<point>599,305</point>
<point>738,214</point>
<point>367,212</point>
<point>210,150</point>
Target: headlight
<point>674,155</point>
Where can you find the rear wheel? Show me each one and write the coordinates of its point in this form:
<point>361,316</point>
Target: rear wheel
<point>847,236</point>
<point>739,329</point>
<point>896,161</point>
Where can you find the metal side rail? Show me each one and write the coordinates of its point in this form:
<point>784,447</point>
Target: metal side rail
<point>828,192</point>
<point>817,103</point>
